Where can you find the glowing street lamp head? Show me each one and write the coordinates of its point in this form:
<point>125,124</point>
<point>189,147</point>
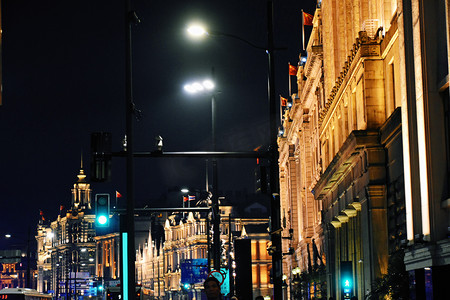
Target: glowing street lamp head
<point>198,87</point>
<point>208,84</point>
<point>197,31</point>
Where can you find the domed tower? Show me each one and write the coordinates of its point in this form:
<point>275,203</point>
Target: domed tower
<point>81,192</point>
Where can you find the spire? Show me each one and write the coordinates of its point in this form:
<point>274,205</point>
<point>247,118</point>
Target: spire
<point>244,233</point>
<point>81,191</point>
<point>81,176</point>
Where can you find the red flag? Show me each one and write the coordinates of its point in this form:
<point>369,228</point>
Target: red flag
<point>283,101</point>
<point>41,212</point>
<point>292,70</point>
<point>61,207</point>
<point>307,19</point>
<point>185,198</point>
<point>118,195</point>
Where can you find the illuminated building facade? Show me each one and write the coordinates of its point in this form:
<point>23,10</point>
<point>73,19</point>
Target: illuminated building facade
<point>158,268</point>
<point>66,248</point>
<point>108,258</point>
<point>424,29</point>
<point>15,268</point>
<point>44,265</point>
<point>365,153</point>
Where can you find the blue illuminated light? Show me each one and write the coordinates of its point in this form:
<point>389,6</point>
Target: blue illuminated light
<point>125,264</point>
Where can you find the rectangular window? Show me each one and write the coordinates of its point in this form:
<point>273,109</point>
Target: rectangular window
<point>390,88</point>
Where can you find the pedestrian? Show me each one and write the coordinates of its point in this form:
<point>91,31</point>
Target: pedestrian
<point>212,288</point>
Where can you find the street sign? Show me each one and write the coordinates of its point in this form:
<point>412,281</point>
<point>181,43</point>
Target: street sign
<point>194,270</point>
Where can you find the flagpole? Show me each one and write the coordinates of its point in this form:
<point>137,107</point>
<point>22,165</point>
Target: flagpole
<point>303,31</point>
<point>289,72</point>
<point>281,107</point>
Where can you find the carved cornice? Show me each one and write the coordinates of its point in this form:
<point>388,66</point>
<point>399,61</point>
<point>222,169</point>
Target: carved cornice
<point>315,56</point>
<point>363,47</point>
<point>344,159</point>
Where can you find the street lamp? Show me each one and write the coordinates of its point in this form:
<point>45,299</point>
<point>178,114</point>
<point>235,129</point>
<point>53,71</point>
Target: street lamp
<point>276,227</point>
<point>197,30</point>
<point>208,86</point>
<point>205,86</point>
<point>198,87</point>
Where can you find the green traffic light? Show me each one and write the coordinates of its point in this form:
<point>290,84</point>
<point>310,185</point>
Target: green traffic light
<point>102,220</point>
<point>102,210</point>
<point>347,283</point>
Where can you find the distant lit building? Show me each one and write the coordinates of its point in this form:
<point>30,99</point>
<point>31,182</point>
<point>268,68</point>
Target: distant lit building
<point>66,248</point>
<point>44,264</point>
<point>17,270</point>
<point>108,258</point>
<point>158,266</point>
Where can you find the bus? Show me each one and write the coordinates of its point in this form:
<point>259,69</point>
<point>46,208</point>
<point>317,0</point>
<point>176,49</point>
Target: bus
<point>23,294</point>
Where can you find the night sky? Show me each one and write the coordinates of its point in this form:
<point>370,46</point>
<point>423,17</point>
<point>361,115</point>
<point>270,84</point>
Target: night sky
<point>64,78</point>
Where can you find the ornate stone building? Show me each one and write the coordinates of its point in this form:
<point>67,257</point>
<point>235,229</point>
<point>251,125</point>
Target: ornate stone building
<point>365,151</point>
<point>66,248</point>
<point>337,167</point>
<point>44,265</point>
<point>158,268</point>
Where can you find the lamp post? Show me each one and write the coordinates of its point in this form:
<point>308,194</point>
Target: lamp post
<point>206,86</point>
<point>128,275</point>
<point>201,87</point>
<point>199,31</point>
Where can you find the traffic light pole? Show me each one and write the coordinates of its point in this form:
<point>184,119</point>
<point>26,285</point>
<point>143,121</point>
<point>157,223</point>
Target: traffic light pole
<point>277,256</point>
<point>130,16</point>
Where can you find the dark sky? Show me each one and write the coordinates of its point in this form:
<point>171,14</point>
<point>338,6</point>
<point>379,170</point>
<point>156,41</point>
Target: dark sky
<point>63,78</point>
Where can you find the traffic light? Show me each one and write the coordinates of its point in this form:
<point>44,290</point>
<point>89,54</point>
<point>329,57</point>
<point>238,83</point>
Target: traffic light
<point>102,210</point>
<point>262,181</point>
<point>346,279</point>
<point>186,286</point>
<point>101,156</point>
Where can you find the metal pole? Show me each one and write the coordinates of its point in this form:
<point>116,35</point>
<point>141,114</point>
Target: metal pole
<point>208,244</point>
<point>215,186</point>
<point>216,220</point>
<point>28,280</point>
<point>274,180</point>
<point>129,108</point>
